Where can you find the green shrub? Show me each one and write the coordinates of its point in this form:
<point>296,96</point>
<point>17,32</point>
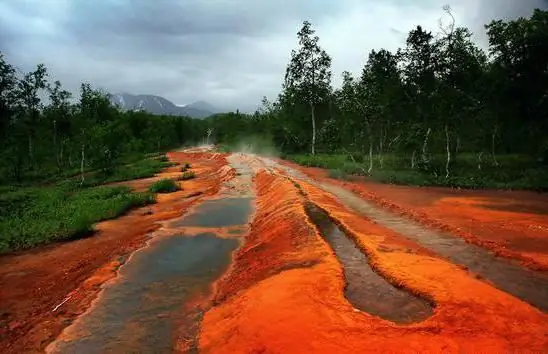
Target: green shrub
<point>186,176</point>
<point>164,186</point>
<point>163,158</point>
<point>185,167</point>
<point>338,174</point>
<point>33,216</point>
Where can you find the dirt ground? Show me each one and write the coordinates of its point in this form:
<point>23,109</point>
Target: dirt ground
<point>34,283</point>
<point>513,224</point>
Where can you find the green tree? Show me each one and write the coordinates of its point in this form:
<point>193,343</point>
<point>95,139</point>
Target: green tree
<point>28,94</point>
<point>58,114</point>
<point>308,75</point>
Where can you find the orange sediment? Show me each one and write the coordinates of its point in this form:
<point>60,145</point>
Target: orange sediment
<point>35,282</point>
<point>285,291</point>
<point>512,224</point>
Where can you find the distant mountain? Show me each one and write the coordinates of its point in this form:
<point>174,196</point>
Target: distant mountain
<point>161,106</point>
<point>202,106</point>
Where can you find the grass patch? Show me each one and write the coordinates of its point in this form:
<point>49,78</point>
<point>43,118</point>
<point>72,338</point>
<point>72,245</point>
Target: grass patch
<point>337,174</point>
<point>513,171</point>
<point>186,176</point>
<point>34,216</point>
<point>141,169</point>
<point>164,186</point>
<point>125,171</point>
<point>163,158</point>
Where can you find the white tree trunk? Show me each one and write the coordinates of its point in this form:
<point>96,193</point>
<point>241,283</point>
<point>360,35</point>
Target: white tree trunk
<point>82,161</point>
<point>55,150</point>
<point>493,137</point>
<point>313,114</point>
<point>381,149</point>
<point>425,146</point>
<point>413,161</point>
<point>370,156</point>
<point>479,160</point>
<point>448,149</point>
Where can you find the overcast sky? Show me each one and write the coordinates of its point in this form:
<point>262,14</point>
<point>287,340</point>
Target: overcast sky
<point>227,52</point>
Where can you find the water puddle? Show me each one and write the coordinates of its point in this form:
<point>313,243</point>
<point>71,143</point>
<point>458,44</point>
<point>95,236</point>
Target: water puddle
<point>153,304</point>
<point>139,313</point>
<point>219,213</point>
<point>365,289</point>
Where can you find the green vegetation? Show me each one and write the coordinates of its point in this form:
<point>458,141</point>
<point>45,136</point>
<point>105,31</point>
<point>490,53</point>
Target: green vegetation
<point>438,111</point>
<point>512,171</point>
<point>55,151</point>
<point>144,168</point>
<point>165,185</point>
<point>33,216</point>
<point>337,174</point>
<point>64,209</point>
<point>59,136</point>
<point>186,176</point>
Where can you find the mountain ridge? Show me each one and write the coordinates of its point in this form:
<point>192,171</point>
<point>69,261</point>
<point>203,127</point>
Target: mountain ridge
<point>159,105</point>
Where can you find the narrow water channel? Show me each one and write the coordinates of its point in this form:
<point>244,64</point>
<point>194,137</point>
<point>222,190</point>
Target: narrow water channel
<point>506,275</point>
<point>365,289</point>
<point>525,284</point>
<point>146,309</point>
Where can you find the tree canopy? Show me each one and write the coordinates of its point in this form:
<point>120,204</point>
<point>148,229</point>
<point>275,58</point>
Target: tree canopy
<point>44,131</point>
<point>437,98</point>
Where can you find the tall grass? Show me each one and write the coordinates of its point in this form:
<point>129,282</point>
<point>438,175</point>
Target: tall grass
<point>186,176</point>
<point>33,216</point>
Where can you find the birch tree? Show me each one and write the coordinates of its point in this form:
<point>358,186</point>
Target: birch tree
<point>309,73</point>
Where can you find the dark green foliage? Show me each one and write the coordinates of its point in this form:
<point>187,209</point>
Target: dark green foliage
<point>163,158</point>
<point>439,111</point>
<point>186,176</point>
<point>337,174</point>
<point>38,139</point>
<point>164,186</point>
<point>53,152</point>
<point>33,216</point>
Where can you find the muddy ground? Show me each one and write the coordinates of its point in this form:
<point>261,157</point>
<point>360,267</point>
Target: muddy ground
<point>258,255</point>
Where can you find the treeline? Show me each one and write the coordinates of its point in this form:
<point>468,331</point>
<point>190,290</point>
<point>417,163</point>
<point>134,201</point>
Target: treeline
<point>44,131</point>
<point>438,102</point>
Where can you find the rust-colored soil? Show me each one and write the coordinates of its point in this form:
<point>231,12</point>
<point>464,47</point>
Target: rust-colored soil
<point>513,224</point>
<point>285,291</point>
<point>34,283</point>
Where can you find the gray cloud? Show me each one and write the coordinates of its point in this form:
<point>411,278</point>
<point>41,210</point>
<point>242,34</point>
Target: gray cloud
<point>228,52</point>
